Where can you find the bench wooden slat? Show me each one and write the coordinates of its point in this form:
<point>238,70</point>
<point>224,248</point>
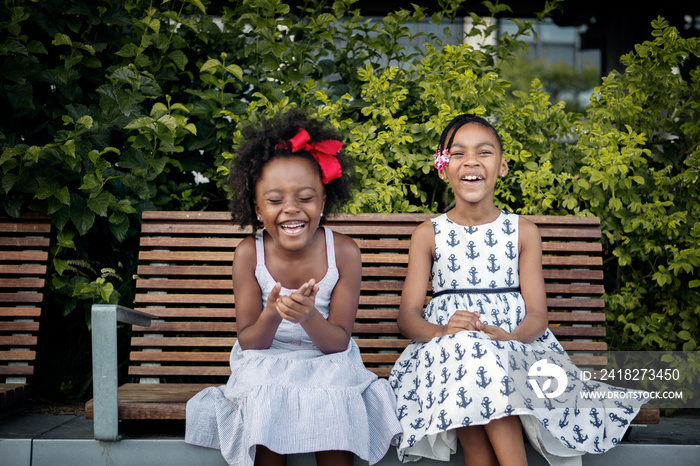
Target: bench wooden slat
<point>21,312</point>
<point>17,355</point>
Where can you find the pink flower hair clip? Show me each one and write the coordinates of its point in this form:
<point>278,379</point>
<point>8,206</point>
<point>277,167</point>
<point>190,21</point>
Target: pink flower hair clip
<point>442,158</point>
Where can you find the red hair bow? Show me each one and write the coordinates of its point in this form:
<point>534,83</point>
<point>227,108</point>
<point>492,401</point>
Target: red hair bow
<point>323,151</point>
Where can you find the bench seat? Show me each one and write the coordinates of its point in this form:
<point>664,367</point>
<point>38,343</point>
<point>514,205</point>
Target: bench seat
<point>184,284</point>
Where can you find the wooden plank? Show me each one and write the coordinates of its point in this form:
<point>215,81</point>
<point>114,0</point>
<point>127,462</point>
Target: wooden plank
<point>25,256</point>
<point>17,355</point>
<point>16,370</point>
<point>158,371</point>
<point>21,312</point>
<point>22,269</point>
<point>13,326</point>
<point>21,298</point>
<point>22,283</point>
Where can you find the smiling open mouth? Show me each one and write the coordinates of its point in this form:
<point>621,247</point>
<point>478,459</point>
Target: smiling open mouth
<point>292,227</point>
<point>472,178</point>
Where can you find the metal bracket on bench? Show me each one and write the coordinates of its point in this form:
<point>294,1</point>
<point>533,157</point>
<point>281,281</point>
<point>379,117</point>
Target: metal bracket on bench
<point>104,364</point>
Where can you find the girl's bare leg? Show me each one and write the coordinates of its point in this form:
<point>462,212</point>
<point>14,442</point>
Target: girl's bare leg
<point>476,446</point>
<point>506,438</point>
<point>266,457</point>
<point>335,457</point>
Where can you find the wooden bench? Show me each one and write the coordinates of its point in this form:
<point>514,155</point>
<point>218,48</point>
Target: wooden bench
<point>24,255</point>
<point>184,282</point>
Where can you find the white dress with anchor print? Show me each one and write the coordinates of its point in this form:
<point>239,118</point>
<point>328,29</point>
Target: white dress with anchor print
<point>468,379</point>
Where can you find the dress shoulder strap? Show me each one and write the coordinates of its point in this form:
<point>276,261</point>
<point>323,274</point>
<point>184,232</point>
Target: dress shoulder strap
<point>330,248</point>
<point>260,248</point>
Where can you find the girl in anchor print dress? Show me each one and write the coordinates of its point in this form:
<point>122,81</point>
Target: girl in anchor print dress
<point>463,376</point>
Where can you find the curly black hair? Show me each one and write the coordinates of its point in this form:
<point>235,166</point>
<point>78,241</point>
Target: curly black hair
<point>260,145</point>
<point>459,121</point>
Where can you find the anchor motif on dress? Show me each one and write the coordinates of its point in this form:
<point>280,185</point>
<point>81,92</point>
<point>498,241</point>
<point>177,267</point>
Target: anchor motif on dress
<point>493,267</point>
<point>431,400</point>
<point>596,445</point>
<point>594,414</point>
<point>511,253</point>
<point>492,284</point>
<point>466,421</point>
<point>471,230</point>
<point>510,410</point>
<point>411,440</point>
<point>563,422</point>
<point>430,379</point>
<point>509,277</point>
<point>488,412</point>
<point>628,408</point>
<point>453,241</point>
<point>490,240</point>
<point>428,359</point>
<point>471,250</point>
<point>507,230</point>
<point>445,375</point>
<point>566,442</point>
<point>496,321</point>
<point>507,389</point>
<point>481,372</point>
<point>478,353</point>
<point>444,394</point>
<point>453,266</point>
<point>460,372</point>
<point>615,418</point>
<point>418,423</point>
<point>480,305</point>
<point>440,281</point>
<point>444,355</point>
<point>513,363</point>
<point>579,438</point>
<point>403,411</point>
<point>454,284</point>
<point>460,352</point>
<point>473,279</point>
<point>463,402</point>
<point>443,423</point>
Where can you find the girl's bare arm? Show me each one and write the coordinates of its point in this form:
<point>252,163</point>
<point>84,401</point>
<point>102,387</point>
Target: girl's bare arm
<point>256,326</point>
<point>420,262</point>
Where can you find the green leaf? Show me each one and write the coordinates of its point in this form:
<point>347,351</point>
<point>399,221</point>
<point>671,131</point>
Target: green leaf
<point>61,39</point>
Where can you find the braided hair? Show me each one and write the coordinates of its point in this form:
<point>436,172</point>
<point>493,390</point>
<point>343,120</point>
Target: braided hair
<point>261,144</point>
<point>459,121</point>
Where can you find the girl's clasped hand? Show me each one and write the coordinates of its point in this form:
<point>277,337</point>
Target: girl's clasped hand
<point>297,306</point>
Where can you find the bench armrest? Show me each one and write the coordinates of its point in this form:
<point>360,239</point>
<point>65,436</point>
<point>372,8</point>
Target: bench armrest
<point>104,364</point>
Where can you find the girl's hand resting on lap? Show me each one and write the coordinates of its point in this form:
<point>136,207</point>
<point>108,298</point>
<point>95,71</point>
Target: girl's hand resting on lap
<point>463,320</point>
<point>469,320</point>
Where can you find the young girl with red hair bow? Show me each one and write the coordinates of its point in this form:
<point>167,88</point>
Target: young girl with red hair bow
<point>297,381</point>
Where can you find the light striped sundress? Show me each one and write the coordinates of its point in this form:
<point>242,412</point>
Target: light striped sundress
<point>293,398</point>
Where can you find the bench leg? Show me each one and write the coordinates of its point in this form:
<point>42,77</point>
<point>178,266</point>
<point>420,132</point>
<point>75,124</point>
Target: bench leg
<point>104,372</point>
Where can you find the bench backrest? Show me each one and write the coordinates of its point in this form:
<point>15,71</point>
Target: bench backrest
<point>184,277</point>
<point>24,255</point>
